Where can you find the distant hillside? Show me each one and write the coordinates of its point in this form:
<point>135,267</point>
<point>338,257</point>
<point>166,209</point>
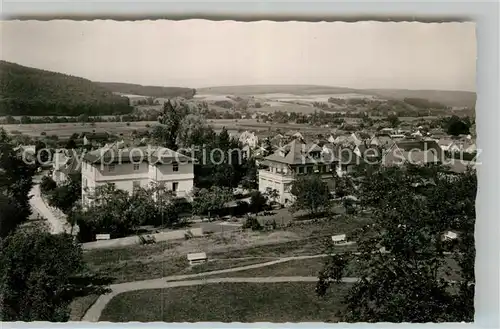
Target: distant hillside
<point>29,91</point>
<point>151,91</point>
<point>274,89</point>
<point>445,97</point>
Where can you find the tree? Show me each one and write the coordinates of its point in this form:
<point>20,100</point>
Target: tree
<point>40,274</point>
<point>47,185</point>
<point>272,195</point>
<point>192,129</point>
<point>15,184</point>
<point>404,269</point>
<point>455,126</point>
<point>393,120</point>
<point>249,180</point>
<point>210,201</point>
<point>257,201</point>
<point>311,194</point>
<point>171,119</point>
<point>65,196</point>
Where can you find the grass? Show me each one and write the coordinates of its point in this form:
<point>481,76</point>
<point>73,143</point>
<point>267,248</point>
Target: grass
<point>228,302</point>
<point>142,262</point>
<point>222,264</point>
<point>312,267</point>
<point>80,306</point>
<point>143,270</point>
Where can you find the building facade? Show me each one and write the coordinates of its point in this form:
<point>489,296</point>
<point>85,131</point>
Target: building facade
<point>136,167</point>
<point>283,166</point>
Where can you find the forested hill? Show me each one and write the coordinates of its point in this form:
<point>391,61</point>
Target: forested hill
<point>29,91</point>
<point>150,91</point>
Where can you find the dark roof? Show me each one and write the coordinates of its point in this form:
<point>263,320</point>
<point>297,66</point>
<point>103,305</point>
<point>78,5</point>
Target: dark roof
<point>71,167</point>
<point>150,154</point>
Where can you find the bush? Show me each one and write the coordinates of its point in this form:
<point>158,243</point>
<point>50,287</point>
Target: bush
<point>252,223</point>
<point>258,202</point>
<point>241,208</point>
<point>47,185</point>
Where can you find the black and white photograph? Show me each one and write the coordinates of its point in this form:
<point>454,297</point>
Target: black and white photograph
<point>225,171</point>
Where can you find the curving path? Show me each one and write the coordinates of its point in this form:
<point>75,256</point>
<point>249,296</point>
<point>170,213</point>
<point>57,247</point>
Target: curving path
<point>37,203</point>
<point>94,312</point>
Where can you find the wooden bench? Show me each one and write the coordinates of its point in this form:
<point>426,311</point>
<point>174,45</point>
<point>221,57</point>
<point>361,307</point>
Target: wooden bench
<point>99,237</point>
<point>338,239</point>
<point>197,258</point>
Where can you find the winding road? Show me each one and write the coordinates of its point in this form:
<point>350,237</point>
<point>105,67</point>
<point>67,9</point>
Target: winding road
<point>94,312</point>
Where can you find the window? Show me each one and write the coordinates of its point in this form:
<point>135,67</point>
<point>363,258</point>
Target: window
<point>136,184</point>
<point>175,185</point>
<point>175,166</point>
<point>84,182</point>
<point>301,170</point>
<point>111,168</point>
<point>136,166</point>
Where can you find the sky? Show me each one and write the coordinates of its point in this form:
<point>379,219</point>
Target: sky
<point>202,53</point>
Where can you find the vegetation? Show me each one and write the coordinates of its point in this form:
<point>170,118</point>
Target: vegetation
<point>258,202</point>
<point>252,223</point>
<point>152,91</point>
<point>223,302</point>
<point>211,201</point>
<point>41,274</point>
<point>119,214</point>
<point>15,184</point>
<point>411,207</point>
<point>311,194</point>
<point>457,126</point>
<point>29,91</point>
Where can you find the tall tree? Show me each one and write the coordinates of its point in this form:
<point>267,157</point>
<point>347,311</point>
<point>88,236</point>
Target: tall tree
<point>192,130</point>
<point>171,119</point>
<point>40,274</point>
<point>311,194</point>
<point>15,184</point>
<point>405,271</point>
<point>210,201</point>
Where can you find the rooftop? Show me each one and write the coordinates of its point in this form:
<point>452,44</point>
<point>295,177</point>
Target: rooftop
<point>150,154</point>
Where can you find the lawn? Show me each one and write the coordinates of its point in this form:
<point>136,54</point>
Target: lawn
<point>80,306</point>
<point>142,262</point>
<point>222,264</point>
<point>228,302</point>
<point>312,267</point>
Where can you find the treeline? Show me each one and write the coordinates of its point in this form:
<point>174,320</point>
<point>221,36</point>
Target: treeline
<point>152,91</point>
<point>422,103</point>
<point>81,118</point>
<point>29,91</point>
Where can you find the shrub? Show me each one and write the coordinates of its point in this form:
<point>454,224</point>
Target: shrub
<point>47,185</point>
<point>252,223</point>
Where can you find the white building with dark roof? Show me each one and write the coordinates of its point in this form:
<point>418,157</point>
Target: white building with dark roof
<point>297,158</point>
<point>130,168</point>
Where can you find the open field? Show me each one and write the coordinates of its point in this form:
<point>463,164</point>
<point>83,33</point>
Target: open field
<point>65,130</point>
<point>447,97</point>
<point>228,302</point>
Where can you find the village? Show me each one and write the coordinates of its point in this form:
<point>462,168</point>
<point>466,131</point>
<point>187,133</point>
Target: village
<point>232,202</point>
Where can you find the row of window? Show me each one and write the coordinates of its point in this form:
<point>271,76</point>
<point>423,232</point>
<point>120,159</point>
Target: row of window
<point>137,166</point>
<point>135,184</point>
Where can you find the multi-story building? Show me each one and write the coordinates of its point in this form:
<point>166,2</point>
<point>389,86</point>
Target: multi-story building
<point>130,168</point>
<point>296,158</point>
